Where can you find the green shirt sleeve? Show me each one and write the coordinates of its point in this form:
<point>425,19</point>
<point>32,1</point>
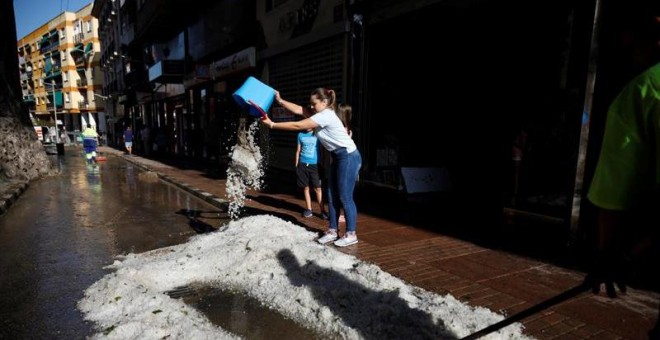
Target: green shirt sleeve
<point>626,167</point>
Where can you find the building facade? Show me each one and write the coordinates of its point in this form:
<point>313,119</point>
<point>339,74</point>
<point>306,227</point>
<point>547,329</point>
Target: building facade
<point>441,90</point>
<point>60,72</point>
<point>159,58</point>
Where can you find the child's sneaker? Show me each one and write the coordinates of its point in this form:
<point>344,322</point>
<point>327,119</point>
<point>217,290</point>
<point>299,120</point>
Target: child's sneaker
<point>348,239</point>
<point>307,213</point>
<point>329,236</point>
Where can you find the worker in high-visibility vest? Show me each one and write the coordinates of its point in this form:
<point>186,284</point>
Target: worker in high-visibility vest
<point>90,141</point>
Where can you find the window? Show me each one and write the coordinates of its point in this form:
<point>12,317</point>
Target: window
<point>89,26</point>
<point>63,33</point>
<point>67,97</point>
<point>64,77</point>
<point>64,53</point>
<point>41,82</point>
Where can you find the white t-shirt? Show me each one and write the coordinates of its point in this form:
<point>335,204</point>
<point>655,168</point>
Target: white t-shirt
<point>331,132</point>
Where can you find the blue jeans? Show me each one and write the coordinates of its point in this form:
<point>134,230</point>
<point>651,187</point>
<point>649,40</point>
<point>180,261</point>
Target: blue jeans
<point>341,183</point>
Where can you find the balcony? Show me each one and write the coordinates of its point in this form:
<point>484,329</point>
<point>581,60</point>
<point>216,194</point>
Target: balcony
<point>79,59</point>
<point>83,104</point>
<point>49,43</point>
<point>78,38</point>
<point>55,72</point>
<point>59,99</point>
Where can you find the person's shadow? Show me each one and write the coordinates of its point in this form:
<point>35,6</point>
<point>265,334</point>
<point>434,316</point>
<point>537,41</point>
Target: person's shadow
<point>374,314</point>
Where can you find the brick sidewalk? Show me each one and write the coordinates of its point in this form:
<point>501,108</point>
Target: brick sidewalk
<point>479,276</point>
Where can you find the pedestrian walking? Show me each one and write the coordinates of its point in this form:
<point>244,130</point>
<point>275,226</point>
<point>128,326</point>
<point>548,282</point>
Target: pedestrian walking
<point>90,142</point>
<point>128,140</point>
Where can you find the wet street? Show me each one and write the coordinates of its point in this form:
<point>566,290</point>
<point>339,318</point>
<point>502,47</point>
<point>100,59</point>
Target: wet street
<point>57,238</point>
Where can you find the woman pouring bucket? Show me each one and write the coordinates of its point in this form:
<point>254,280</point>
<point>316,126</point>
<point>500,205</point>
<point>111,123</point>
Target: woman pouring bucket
<point>321,117</point>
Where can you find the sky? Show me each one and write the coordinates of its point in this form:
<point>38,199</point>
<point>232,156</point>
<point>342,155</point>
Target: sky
<point>30,14</point>
<point>280,264</point>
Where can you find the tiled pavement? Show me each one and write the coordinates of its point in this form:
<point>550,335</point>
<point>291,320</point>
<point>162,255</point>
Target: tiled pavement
<point>475,274</point>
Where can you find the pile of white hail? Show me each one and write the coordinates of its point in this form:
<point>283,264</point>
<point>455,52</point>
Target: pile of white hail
<point>245,169</point>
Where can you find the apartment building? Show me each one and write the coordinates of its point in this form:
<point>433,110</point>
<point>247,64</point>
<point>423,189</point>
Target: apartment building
<point>60,73</point>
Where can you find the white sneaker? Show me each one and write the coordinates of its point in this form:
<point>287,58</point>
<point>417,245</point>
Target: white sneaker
<point>347,240</point>
<point>329,236</point>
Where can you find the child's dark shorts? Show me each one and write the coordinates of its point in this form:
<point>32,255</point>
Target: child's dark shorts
<point>308,175</point>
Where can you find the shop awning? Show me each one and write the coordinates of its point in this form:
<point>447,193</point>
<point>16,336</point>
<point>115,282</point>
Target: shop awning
<point>77,48</point>
<point>89,47</point>
<point>58,98</point>
<point>49,66</point>
<point>167,71</point>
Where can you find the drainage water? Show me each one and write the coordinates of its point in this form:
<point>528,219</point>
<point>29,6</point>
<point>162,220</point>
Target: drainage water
<point>247,317</point>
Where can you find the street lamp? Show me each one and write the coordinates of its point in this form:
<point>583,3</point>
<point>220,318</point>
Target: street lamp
<point>57,133</point>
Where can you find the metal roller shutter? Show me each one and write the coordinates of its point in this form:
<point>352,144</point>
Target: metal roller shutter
<point>295,74</point>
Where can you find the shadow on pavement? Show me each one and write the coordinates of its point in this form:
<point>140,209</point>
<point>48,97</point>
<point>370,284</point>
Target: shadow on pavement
<point>353,300</point>
<point>276,203</point>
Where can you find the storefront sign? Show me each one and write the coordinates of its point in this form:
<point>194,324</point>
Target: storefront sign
<point>236,62</point>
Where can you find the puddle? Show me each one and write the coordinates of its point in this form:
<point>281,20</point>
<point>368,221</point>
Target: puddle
<point>245,316</point>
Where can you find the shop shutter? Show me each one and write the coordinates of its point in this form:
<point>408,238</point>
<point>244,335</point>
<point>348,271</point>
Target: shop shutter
<point>295,74</point>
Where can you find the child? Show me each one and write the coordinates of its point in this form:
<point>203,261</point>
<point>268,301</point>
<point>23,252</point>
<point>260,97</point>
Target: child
<point>307,171</point>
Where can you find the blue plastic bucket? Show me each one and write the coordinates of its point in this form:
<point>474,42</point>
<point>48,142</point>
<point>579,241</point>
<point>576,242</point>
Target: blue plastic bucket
<point>256,96</point>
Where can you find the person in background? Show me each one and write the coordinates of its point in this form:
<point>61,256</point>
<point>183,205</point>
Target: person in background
<point>345,113</point>
<point>64,136</point>
<point>346,158</point>
<point>128,140</point>
<point>90,141</point>
<point>307,171</point>
<point>626,183</point>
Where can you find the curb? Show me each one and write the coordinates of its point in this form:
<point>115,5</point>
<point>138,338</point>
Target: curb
<point>11,195</point>
<point>206,196</point>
